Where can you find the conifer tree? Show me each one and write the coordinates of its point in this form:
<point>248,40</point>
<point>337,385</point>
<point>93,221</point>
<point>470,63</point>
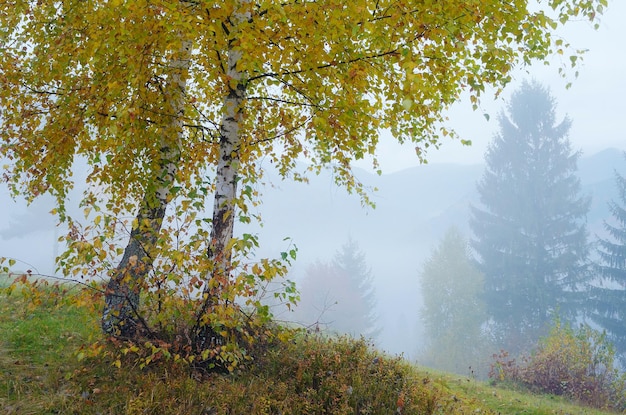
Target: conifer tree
<point>351,259</point>
<point>530,233</point>
<point>608,299</point>
<point>339,295</point>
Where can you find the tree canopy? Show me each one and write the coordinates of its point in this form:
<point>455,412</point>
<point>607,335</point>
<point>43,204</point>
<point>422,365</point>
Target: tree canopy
<point>173,103</point>
<point>321,79</point>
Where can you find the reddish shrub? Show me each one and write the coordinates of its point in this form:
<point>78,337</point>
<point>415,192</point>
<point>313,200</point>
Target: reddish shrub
<point>578,364</point>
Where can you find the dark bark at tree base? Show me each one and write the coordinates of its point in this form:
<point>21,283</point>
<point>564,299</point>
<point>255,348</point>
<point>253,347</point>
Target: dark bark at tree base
<point>119,317</point>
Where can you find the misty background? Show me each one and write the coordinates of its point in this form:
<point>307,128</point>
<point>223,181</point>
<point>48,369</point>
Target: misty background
<point>414,209</point>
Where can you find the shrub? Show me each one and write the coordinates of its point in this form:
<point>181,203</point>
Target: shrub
<point>576,363</point>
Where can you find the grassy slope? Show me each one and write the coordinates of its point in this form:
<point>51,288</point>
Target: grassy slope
<point>40,374</point>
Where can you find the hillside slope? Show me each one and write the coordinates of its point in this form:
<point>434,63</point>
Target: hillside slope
<point>41,374</point>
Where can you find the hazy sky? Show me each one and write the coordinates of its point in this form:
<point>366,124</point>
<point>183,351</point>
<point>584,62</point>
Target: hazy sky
<point>595,102</point>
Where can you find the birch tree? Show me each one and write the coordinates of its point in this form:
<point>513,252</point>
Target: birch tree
<point>174,105</point>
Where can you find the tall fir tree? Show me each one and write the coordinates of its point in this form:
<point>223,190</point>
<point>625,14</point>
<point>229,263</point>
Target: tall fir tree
<point>607,300</point>
<point>530,233</point>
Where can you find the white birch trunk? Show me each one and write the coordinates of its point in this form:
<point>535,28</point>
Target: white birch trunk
<point>228,163</point>
<point>220,250</point>
<point>120,316</point>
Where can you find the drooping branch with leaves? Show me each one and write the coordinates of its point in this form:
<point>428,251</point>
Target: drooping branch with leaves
<point>169,106</point>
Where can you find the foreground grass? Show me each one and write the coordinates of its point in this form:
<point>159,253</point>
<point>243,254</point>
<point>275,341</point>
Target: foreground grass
<point>41,374</point>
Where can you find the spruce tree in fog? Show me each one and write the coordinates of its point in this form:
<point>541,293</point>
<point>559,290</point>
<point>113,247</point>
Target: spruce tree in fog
<point>351,260</point>
<point>608,293</point>
<point>530,232</point>
<point>339,295</point>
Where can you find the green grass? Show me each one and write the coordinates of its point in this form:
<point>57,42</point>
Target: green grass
<point>39,337</point>
<point>510,399</point>
<point>41,374</point>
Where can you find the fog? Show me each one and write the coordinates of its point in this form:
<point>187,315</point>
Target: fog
<point>415,204</point>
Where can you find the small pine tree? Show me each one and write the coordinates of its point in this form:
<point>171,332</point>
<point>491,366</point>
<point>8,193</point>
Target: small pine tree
<point>339,295</point>
<point>352,261</point>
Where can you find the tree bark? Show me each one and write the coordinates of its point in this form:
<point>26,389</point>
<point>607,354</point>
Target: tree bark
<point>220,250</point>
<point>120,316</point>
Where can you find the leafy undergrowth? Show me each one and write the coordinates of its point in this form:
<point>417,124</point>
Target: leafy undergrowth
<point>308,374</point>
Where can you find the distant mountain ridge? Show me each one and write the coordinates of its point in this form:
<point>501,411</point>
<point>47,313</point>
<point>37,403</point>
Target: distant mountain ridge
<point>427,197</point>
